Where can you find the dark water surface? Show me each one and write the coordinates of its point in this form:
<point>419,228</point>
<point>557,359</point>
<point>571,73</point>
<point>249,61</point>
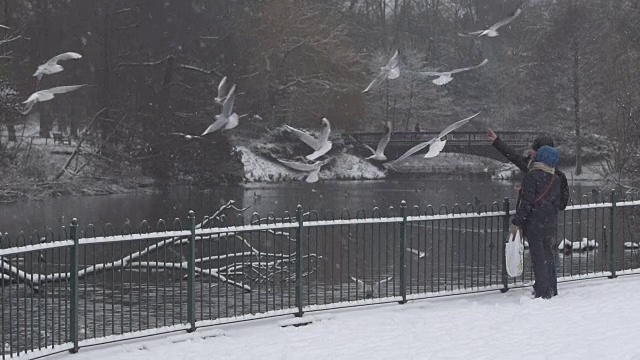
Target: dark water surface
<point>262,198</point>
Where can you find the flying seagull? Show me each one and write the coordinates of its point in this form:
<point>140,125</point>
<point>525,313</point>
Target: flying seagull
<point>445,76</point>
<point>389,71</point>
<point>312,169</point>
<point>419,254</point>
<point>52,67</point>
<point>222,91</point>
<point>321,145</point>
<point>45,95</point>
<point>378,153</point>
<point>370,290</point>
<point>227,118</point>
<point>493,30</point>
<point>436,142</point>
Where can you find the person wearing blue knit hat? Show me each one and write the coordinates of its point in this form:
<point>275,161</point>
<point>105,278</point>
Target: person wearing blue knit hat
<point>537,216</point>
<point>524,163</point>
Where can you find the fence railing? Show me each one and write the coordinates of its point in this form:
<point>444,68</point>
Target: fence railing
<point>86,286</point>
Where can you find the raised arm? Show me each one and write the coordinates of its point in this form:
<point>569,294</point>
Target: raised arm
<point>521,161</point>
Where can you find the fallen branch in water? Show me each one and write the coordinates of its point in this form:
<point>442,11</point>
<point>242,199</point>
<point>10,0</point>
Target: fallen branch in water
<point>265,264</point>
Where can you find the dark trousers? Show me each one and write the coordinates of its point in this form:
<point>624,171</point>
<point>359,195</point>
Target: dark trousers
<point>543,263</point>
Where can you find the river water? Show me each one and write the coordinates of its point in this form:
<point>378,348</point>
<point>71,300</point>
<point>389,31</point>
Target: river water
<point>277,198</point>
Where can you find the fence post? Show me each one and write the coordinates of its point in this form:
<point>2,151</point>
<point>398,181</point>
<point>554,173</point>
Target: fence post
<point>505,239</point>
<point>612,240</point>
<point>191,278</point>
<point>403,246</point>
<point>73,306</point>
<point>299,218</point>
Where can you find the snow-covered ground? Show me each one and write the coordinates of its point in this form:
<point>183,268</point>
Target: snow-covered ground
<point>594,319</point>
<point>343,167</point>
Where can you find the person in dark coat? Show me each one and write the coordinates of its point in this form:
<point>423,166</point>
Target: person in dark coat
<point>523,163</point>
<point>537,216</point>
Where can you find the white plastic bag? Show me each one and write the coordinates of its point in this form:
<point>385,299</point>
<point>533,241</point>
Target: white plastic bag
<point>514,252</point>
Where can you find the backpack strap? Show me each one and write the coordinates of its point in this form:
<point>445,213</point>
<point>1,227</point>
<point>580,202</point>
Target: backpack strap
<point>544,195</point>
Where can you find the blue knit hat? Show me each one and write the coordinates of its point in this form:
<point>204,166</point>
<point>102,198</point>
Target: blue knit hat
<point>548,155</point>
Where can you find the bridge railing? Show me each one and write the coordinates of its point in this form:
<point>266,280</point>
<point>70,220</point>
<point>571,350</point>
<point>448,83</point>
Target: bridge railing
<point>87,285</point>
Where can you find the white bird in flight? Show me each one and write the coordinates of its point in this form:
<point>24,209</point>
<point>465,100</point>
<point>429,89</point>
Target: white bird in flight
<point>493,30</point>
<point>369,291</point>
<point>419,254</point>
<point>45,95</point>
<point>444,77</point>
<point>227,118</point>
<point>436,143</point>
<point>313,170</point>
<point>378,153</point>
<point>389,71</point>
<point>52,67</point>
<point>186,136</point>
<point>222,91</point>
<point>321,145</point>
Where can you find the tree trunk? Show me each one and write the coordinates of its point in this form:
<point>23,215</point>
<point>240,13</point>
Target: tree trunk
<point>576,106</point>
<point>11,130</point>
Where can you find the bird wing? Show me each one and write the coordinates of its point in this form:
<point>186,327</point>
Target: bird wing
<point>323,150</point>
<point>227,106</point>
<point>456,125</point>
<point>359,282</point>
<point>435,149</point>
<point>373,152</point>
<point>36,96</point>
<point>5,27</point>
<point>301,166</point>
<point>414,251</point>
<point>507,20</point>
<point>393,62</point>
<point>483,63</point>
<point>432,73</point>
<point>471,34</point>
<point>222,89</point>
<point>384,141</point>
<point>306,138</point>
<point>413,150</point>
<point>66,56</point>
<point>28,107</point>
<point>218,124</point>
<point>385,280</point>
<point>60,89</point>
<point>381,76</point>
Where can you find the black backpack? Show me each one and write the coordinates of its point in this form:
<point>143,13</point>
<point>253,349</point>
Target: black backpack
<point>565,195</point>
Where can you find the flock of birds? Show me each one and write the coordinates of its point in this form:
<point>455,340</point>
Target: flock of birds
<point>49,68</point>
<point>320,144</point>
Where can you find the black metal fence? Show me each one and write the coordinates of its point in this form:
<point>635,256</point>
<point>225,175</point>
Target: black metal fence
<point>85,286</point>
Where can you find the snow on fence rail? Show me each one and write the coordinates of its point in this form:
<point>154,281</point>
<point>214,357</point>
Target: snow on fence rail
<point>86,286</point>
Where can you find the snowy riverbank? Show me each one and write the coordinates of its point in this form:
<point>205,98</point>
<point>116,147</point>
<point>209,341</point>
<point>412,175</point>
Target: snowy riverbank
<point>343,167</point>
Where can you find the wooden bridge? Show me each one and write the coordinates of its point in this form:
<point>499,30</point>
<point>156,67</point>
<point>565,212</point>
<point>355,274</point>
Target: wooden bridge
<point>469,142</point>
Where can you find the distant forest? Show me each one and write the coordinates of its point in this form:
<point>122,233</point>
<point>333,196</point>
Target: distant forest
<point>569,68</point>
